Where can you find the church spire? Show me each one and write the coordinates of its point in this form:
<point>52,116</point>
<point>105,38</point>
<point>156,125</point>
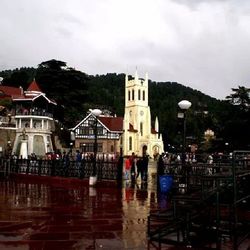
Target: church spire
<point>156,124</point>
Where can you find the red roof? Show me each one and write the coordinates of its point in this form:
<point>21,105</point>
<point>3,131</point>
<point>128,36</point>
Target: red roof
<point>112,123</point>
<point>34,87</point>
<point>11,91</point>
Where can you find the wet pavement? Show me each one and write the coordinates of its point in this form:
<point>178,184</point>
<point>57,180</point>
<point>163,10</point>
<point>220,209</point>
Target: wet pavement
<point>56,213</point>
<point>40,213</point>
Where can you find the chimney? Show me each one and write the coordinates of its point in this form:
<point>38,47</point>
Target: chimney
<point>21,89</point>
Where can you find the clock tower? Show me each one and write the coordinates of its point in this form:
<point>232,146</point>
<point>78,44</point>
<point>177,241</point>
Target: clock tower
<point>138,133</point>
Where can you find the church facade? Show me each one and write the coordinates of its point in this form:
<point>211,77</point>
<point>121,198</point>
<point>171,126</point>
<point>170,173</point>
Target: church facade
<point>139,136</point>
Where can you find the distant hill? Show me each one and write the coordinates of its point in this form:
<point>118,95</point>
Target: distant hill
<point>77,92</point>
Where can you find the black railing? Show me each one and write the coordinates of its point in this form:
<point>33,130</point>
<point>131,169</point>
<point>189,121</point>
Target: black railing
<point>37,112</point>
<point>106,170</point>
<point>213,199</point>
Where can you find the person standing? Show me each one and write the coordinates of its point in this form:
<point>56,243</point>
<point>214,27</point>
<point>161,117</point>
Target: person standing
<point>132,164</point>
<point>160,169</point>
<point>144,165</point>
<point>78,161</point>
<point>127,168</point>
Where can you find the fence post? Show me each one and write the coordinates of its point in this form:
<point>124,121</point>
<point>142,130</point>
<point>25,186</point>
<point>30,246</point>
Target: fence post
<point>53,167</point>
<point>39,167</point>
<point>28,166</point>
<point>119,170</point>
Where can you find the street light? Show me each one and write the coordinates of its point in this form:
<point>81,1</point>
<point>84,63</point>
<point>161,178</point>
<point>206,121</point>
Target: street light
<point>184,105</point>
<point>93,178</point>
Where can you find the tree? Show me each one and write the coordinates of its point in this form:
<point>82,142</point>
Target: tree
<point>241,97</point>
<point>53,64</point>
<point>18,77</point>
<point>66,85</point>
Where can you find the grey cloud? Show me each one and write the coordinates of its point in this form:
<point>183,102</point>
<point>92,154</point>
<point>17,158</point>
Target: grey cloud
<point>201,44</point>
<point>194,3</point>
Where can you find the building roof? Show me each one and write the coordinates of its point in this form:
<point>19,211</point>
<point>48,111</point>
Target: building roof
<point>34,87</point>
<point>28,97</point>
<point>32,93</point>
<point>11,91</point>
<point>112,123</point>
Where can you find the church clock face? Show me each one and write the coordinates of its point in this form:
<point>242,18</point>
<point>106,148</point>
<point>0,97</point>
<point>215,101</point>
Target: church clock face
<point>141,113</point>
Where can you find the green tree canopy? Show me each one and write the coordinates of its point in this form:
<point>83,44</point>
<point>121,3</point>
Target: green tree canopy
<point>77,92</point>
<point>241,97</point>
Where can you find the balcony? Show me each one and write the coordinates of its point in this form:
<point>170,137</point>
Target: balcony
<point>6,123</point>
<point>33,112</point>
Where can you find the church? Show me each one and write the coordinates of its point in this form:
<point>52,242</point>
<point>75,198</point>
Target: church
<point>132,133</point>
<point>139,136</point>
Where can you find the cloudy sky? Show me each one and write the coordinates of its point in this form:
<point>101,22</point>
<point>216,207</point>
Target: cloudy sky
<point>203,44</point>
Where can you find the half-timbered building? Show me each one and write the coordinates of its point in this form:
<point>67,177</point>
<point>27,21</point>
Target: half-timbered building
<point>109,132</point>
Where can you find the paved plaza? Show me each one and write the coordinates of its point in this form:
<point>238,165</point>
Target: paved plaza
<point>57,213</point>
<point>40,213</point>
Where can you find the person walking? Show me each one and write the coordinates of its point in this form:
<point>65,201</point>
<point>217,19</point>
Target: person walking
<point>139,168</point>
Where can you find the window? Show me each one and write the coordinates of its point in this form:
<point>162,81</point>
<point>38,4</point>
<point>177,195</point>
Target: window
<point>141,128</point>
<point>129,95</point>
<point>99,147</point>
<point>133,95</point>
<point>139,94</point>
<point>89,147</point>
<point>130,143</point>
<point>143,95</point>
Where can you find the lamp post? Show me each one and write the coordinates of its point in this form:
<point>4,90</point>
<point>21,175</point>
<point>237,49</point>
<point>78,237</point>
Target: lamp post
<point>184,105</point>
<point>93,178</point>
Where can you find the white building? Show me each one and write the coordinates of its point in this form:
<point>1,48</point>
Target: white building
<point>138,135</point>
<point>34,122</point>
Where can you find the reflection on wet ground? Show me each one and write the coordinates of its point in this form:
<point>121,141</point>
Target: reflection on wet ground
<point>40,213</point>
<point>58,215</point>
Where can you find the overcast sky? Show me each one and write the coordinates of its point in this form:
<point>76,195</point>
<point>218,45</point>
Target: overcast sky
<point>203,44</point>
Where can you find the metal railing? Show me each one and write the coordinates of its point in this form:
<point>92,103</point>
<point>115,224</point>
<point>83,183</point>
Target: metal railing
<point>106,170</point>
<point>216,202</point>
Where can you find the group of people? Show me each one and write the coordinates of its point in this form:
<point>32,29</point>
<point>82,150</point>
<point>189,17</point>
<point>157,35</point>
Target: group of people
<point>136,167</point>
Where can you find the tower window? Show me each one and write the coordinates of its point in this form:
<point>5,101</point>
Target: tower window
<point>143,95</point>
<point>139,94</point>
<point>129,95</point>
<point>133,95</point>
<point>130,143</point>
<point>141,128</point>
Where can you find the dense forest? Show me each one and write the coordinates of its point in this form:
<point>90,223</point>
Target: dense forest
<point>77,91</point>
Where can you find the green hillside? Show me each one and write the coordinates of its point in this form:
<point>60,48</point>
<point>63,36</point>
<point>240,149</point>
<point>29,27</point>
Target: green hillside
<point>77,91</point>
